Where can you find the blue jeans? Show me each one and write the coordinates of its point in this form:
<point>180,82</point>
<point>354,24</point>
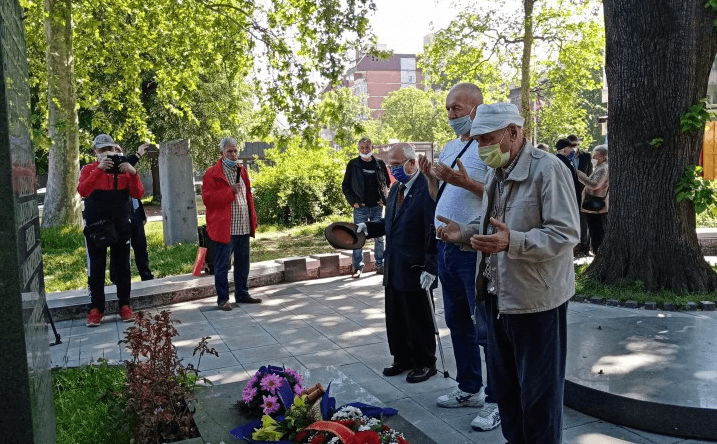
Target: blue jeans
<point>365,214</point>
<point>239,245</point>
<point>457,270</point>
<point>527,367</point>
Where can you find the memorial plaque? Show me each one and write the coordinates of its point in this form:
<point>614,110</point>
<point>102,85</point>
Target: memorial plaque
<point>27,413</point>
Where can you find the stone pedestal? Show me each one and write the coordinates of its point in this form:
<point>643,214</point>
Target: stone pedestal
<point>328,264</point>
<point>179,209</point>
<point>27,412</point>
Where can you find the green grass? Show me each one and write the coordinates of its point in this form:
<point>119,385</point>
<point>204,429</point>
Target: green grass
<point>589,287</point>
<point>63,251</point>
<point>89,407</point>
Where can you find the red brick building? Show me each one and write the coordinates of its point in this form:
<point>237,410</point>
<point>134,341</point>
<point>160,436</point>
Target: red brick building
<point>375,78</point>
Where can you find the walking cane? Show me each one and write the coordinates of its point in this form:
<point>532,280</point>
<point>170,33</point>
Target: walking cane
<point>435,327</point>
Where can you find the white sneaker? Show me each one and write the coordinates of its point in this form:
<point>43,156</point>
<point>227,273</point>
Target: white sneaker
<point>488,418</point>
<point>459,398</point>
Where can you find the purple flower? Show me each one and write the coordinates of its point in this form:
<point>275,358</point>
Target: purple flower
<point>295,374</point>
<point>253,380</point>
<point>248,394</point>
<point>270,405</point>
<point>298,389</point>
<point>271,383</point>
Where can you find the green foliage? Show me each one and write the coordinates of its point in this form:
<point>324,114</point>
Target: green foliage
<point>692,186</point>
<point>89,404</point>
<point>657,142</point>
<point>299,183</point>
<point>344,114</point>
<point>712,5</point>
<point>414,115</point>
<point>696,118</point>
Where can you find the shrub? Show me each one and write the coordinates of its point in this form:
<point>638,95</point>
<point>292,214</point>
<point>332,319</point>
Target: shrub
<point>158,386</point>
<point>300,184</point>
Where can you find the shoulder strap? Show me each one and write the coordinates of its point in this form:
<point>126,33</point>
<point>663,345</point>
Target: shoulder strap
<point>443,185</point>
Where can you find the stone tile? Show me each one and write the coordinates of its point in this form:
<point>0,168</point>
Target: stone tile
<point>226,375</point>
<point>210,362</point>
<point>295,335</point>
<point>197,328</point>
<point>307,308</point>
<point>326,357</point>
<point>190,342</point>
<point>655,438</point>
<point>355,338</point>
<point>437,382</point>
<point>249,341</point>
<point>79,327</point>
<point>309,346</point>
<point>359,373</point>
<point>377,350</point>
<point>257,354</point>
<point>384,391</point>
<point>283,322</point>
<point>461,422</point>
<point>601,433</point>
<point>573,418</point>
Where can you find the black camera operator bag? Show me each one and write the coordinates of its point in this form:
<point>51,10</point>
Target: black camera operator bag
<point>102,233</point>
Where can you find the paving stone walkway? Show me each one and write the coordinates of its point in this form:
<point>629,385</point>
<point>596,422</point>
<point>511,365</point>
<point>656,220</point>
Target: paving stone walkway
<point>337,322</point>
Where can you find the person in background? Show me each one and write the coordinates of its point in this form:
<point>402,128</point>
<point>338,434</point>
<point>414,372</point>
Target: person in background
<point>581,162</point>
<point>106,193</point>
<point>365,187</point>
<point>410,268</point>
<point>231,221</point>
<point>565,153</point>
<point>597,185</point>
<point>139,219</point>
<point>526,233</point>
<point>542,146</point>
<point>461,173</point>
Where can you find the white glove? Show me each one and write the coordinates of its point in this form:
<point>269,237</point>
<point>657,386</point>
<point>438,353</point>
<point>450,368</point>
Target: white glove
<point>427,280</point>
<point>361,228</point>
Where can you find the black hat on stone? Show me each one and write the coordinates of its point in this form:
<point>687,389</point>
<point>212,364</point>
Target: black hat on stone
<point>343,236</point>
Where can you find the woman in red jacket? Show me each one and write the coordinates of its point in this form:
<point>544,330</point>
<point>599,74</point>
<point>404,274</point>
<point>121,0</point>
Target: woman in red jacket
<point>106,186</point>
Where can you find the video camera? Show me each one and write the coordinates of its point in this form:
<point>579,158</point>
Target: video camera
<point>117,159</point>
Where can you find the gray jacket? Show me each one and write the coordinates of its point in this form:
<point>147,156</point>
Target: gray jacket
<point>538,205</point>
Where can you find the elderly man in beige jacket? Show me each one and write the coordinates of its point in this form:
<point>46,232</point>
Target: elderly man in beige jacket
<point>525,237</point>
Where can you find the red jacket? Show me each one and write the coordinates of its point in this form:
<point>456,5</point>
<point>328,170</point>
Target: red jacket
<point>218,196</point>
<point>93,178</point>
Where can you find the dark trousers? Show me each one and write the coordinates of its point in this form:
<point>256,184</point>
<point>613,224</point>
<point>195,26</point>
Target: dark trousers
<point>584,234</point>
<point>139,246</point>
<point>239,246</point>
<point>527,368</point>
<point>409,327</point>
<point>97,260</point>
<point>596,222</point>
<point>457,270</point>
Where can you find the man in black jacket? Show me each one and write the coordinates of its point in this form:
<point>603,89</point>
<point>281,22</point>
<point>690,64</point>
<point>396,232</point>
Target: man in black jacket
<point>582,161</point>
<point>365,186</point>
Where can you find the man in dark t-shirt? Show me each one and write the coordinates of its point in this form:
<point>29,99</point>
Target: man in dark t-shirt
<point>365,186</point>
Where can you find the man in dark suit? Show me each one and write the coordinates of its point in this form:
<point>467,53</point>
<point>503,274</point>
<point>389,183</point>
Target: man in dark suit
<point>582,162</point>
<point>409,267</point>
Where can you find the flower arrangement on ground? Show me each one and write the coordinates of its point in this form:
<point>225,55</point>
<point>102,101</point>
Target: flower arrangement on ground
<point>270,390</point>
<point>348,426</point>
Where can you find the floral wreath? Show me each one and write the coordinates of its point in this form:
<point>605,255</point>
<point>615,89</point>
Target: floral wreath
<point>270,391</point>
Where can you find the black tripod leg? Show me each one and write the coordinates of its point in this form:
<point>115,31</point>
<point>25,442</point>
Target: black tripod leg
<point>52,324</point>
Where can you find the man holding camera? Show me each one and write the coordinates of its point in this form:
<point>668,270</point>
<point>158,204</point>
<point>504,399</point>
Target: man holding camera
<point>106,186</point>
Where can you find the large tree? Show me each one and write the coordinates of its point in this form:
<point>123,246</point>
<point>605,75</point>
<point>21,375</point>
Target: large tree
<point>125,49</point>
<point>658,59</point>
<point>414,115</point>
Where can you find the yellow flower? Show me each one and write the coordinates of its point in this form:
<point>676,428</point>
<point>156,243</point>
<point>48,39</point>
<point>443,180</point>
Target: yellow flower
<point>267,431</point>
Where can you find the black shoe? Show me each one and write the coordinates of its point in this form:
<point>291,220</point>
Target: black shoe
<point>420,374</point>
<point>394,370</point>
<point>379,270</point>
<point>250,300</point>
<point>225,305</point>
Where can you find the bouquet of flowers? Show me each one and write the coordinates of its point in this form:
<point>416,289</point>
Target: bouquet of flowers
<point>349,425</point>
<point>270,391</point>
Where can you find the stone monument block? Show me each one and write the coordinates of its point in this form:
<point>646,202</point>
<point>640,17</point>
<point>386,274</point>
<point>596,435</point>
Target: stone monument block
<point>328,264</point>
<point>179,208</point>
<point>295,269</point>
<point>27,413</point>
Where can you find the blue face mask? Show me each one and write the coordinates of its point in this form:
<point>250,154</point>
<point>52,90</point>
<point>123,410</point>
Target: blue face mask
<point>461,125</point>
<point>229,163</point>
<point>571,155</point>
<point>399,172</point>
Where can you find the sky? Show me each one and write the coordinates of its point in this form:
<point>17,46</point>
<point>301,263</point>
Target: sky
<point>402,24</point>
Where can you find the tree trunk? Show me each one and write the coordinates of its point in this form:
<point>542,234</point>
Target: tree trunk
<point>658,59</point>
<point>525,68</point>
<point>62,203</point>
